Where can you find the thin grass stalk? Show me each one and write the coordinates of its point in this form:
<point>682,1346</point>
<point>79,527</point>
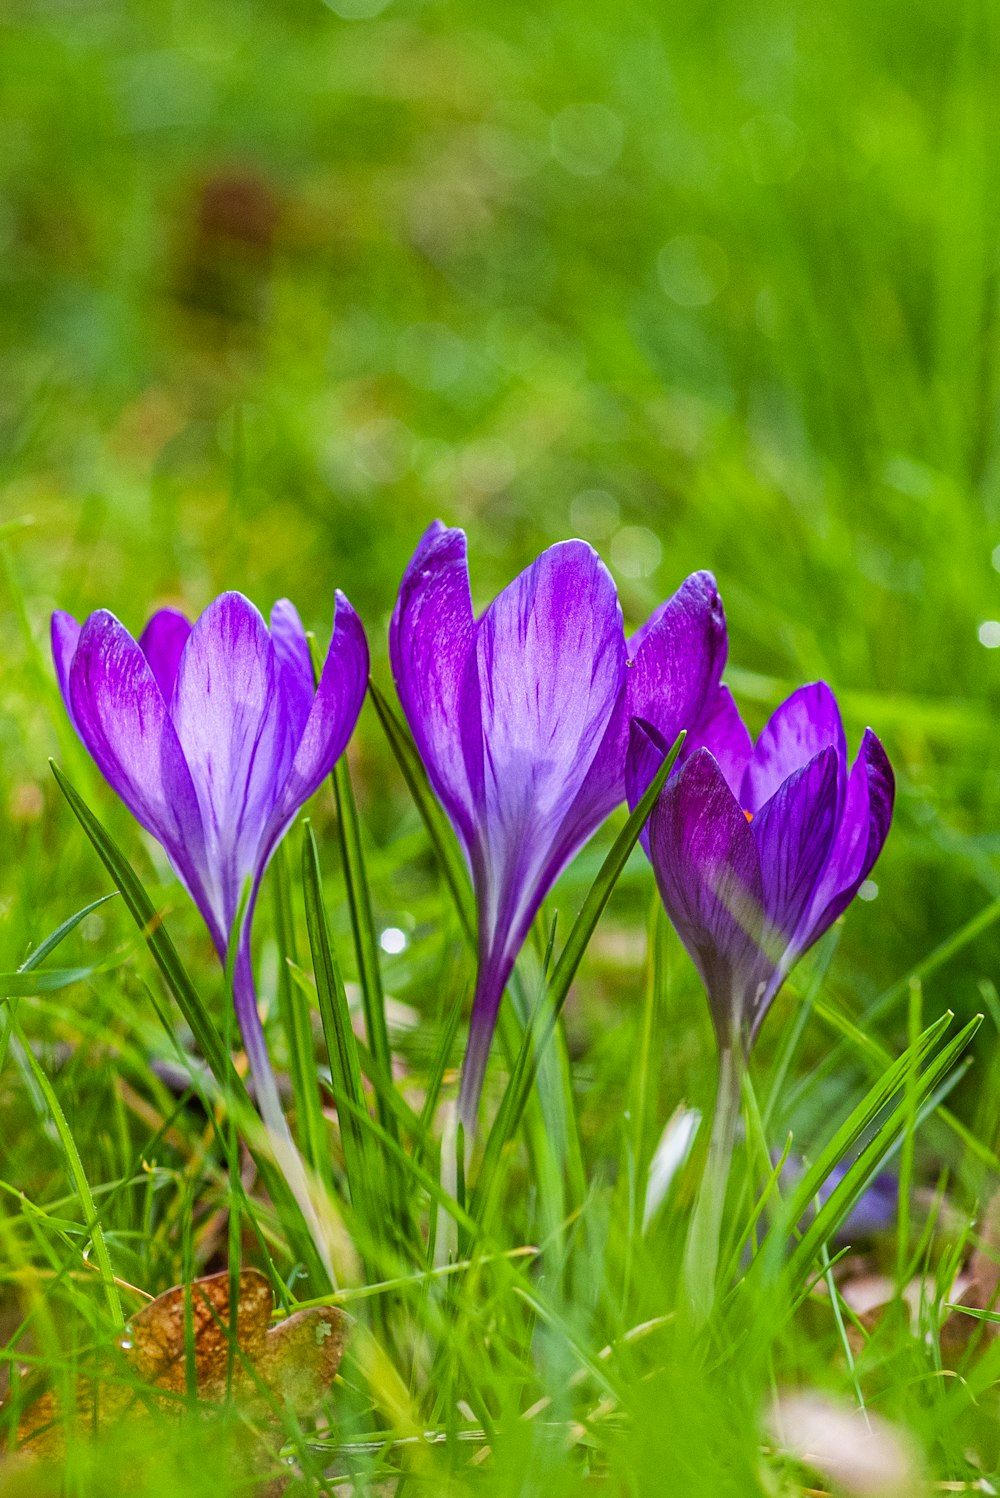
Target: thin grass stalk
<point>701,1253</point>
<point>164,953</point>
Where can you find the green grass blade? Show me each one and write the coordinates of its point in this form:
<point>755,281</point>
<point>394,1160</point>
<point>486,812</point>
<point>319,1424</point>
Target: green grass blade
<point>440,1060</point>
<point>23,984</point>
<point>967,933</point>
<point>189,1001</point>
<point>790,1040</point>
<point>421,1177</point>
<point>79,1178</point>
<point>848,1191</point>
<point>48,946</point>
<point>867,1043</point>
<point>942,953</point>
<point>363,1167</point>
<point>363,928</point>
<point>861,1117</point>
<point>293,1006</point>
<point>150,923</point>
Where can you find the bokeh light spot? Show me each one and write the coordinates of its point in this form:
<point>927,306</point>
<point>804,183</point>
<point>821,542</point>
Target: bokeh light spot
<point>693,269</point>
<point>636,551</point>
<point>775,147</point>
<point>587,139</point>
<point>594,514</point>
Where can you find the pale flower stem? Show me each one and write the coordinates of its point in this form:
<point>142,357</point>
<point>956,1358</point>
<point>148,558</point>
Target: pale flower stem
<point>286,1151</point>
<point>446,1239</point>
<point>255,1044</point>
<point>701,1256</point>
<point>485,1007</point>
<point>473,1075</point>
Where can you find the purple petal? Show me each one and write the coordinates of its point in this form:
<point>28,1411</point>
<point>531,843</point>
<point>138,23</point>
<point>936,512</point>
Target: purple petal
<point>794,833</point>
<point>708,871</point>
<point>162,643</point>
<point>517,895</point>
<point>551,658</point>
<point>334,712</point>
<point>431,645</point>
<point>646,753</point>
<point>677,658</point>
<point>806,722</point>
<point>236,736</point>
<point>123,720</point>
<point>861,836</point>
<point>722,731</point>
<point>294,663</point>
<point>65,634</point>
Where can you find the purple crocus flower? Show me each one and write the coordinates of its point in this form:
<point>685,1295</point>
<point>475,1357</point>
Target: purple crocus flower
<point>214,735</point>
<point>758,849</point>
<point>521,718</point>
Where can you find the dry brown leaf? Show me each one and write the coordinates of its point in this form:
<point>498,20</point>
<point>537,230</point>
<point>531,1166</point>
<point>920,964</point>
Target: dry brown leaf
<point>290,1364</point>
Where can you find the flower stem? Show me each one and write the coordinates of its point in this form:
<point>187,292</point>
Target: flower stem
<point>701,1256</point>
<point>286,1151</point>
<point>254,1043</point>
<point>473,1075</point>
<point>486,1002</point>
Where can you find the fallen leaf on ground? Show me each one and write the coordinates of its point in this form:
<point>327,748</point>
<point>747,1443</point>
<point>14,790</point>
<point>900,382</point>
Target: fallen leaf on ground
<point>244,1360</point>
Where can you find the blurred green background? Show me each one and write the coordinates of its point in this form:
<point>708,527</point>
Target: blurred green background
<point>710,284</point>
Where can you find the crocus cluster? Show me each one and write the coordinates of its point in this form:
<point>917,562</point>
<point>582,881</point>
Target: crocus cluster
<point>535,720</point>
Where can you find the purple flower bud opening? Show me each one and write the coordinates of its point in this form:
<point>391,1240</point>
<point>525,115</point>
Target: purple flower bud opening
<point>759,848</point>
<point>214,735</point>
<point>521,718</point>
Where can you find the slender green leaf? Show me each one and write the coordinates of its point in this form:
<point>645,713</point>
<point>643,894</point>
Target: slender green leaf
<point>825,953</point>
<point>363,927</point>
<point>849,1190</point>
<point>293,1006</point>
<point>942,953</point>
<point>21,984</point>
<point>441,1057</point>
<point>861,1117</point>
<point>150,923</point>
<point>48,946</point>
<point>406,1118</point>
<point>866,1042</point>
<point>362,1165</point>
<point>79,1177</point>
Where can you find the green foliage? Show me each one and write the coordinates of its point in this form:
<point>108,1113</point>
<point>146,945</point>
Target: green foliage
<point>710,284</point>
